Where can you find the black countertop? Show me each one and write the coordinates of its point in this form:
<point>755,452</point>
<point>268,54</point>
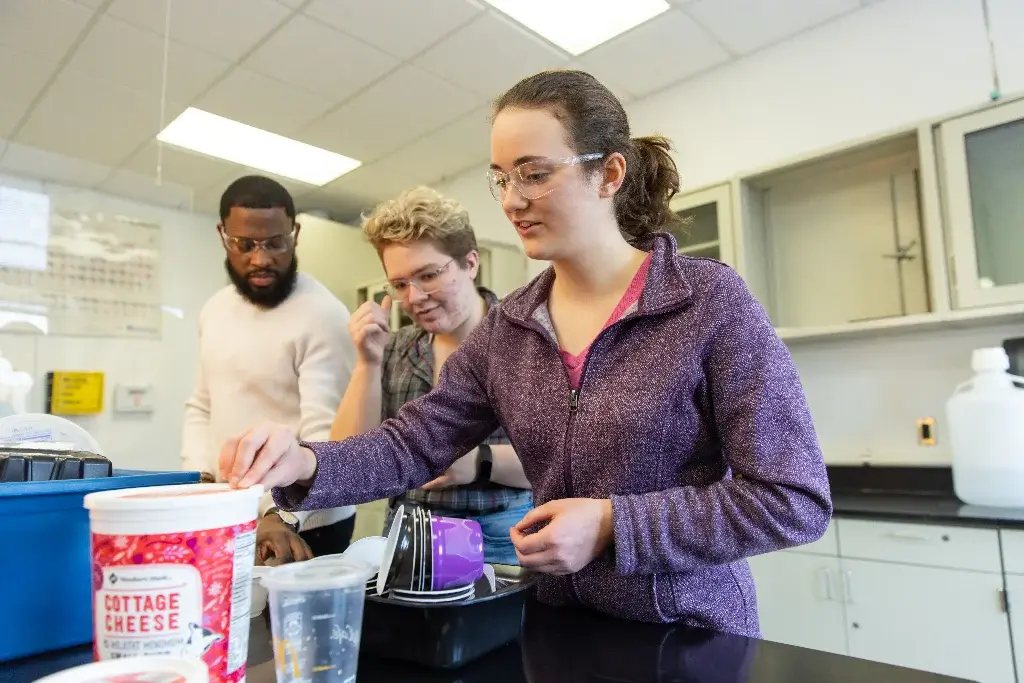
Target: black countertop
<point>911,494</point>
<point>560,645</point>
<point>924,508</point>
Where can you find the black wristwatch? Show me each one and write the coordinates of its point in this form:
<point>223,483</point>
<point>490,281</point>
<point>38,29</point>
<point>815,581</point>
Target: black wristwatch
<point>288,518</point>
<point>484,463</point>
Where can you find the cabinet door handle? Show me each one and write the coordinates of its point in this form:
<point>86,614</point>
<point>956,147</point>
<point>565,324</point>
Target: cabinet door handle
<point>848,587</point>
<point>825,581</point>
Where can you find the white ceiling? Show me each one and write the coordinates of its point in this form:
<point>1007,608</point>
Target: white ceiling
<point>402,85</point>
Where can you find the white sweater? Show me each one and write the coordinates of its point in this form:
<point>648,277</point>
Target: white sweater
<point>288,365</point>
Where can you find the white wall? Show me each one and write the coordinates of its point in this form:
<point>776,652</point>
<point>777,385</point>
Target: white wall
<point>338,256</point>
<point>894,63</point>
<point>192,269</point>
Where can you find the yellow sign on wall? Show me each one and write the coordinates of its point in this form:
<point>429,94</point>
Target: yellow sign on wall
<point>74,393</point>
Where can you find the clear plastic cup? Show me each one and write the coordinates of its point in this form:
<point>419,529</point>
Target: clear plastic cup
<point>316,618</point>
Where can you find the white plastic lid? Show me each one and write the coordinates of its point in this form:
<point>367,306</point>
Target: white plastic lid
<point>991,359</point>
<point>318,576</point>
<point>176,496</point>
<point>148,669</point>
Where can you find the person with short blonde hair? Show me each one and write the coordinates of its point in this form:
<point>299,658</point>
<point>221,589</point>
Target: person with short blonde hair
<point>429,252</point>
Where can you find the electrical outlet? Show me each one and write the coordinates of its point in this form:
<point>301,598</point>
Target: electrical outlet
<point>926,431</point>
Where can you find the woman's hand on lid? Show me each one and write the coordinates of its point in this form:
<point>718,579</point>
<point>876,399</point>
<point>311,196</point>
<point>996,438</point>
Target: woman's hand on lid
<point>268,455</point>
<point>575,532</point>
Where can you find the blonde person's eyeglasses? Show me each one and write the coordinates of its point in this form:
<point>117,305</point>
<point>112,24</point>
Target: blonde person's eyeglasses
<point>428,283</point>
<point>532,177</point>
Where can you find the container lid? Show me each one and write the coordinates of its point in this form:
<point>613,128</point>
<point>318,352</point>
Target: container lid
<point>176,496</point>
<point>990,359</point>
<point>317,576</point>
<point>147,669</point>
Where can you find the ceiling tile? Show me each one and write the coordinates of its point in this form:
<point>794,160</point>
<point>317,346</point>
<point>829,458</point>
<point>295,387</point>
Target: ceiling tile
<point>143,188</point>
<point>669,48</point>
<point>179,166</point>
<point>264,102</point>
<point>392,112</point>
<point>42,28</point>
<point>127,55</point>
<point>421,24</point>
<point>379,181</point>
<point>341,206</point>
<point>39,163</point>
<point>452,149</point>
<point>744,26</point>
<point>445,152</point>
<point>491,54</point>
<point>320,59</point>
<point>226,28</point>
<point>20,86</point>
<point>89,118</point>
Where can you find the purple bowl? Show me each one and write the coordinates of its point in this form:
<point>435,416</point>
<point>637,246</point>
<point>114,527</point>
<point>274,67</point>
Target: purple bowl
<point>457,551</point>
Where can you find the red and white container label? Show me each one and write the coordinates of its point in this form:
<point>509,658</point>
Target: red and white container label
<point>175,594</point>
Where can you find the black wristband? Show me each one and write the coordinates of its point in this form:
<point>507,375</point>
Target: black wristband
<point>484,463</point>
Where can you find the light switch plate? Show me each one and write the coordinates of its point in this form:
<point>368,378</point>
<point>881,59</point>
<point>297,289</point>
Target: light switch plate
<point>133,398</point>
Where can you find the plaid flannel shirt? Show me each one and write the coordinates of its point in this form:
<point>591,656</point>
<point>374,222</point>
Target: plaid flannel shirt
<point>408,373</point>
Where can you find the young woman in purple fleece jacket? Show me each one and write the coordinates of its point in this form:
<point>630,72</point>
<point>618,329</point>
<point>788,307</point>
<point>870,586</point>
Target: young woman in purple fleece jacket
<point>658,416</point>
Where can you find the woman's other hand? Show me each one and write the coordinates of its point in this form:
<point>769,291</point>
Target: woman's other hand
<point>575,532</point>
<point>267,455</point>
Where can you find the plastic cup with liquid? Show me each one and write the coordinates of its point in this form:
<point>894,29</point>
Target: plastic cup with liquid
<point>316,619</point>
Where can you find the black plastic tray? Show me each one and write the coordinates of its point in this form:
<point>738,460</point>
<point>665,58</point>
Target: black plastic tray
<point>26,463</point>
<point>447,635</point>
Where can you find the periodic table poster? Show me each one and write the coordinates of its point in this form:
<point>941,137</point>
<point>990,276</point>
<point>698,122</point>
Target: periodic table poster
<point>91,274</point>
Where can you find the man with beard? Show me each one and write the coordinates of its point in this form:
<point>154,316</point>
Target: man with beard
<point>274,346</point>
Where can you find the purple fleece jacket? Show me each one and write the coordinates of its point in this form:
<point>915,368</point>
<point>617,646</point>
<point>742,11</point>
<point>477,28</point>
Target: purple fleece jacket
<point>690,417</point>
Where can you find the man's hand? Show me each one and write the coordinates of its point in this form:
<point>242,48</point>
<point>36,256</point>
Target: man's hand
<point>462,471</point>
<point>275,539</point>
<point>267,455</point>
<point>575,532</point>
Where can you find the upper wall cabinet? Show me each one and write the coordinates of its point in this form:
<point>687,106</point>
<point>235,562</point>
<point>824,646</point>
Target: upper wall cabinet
<point>982,164</point>
<point>837,241</point>
<point>706,228</point>
<point>502,268</point>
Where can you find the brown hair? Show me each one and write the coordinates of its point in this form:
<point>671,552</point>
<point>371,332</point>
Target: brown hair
<point>596,122</point>
<point>422,214</point>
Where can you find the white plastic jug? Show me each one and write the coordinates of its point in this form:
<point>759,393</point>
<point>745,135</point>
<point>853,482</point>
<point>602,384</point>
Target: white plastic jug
<point>986,433</point>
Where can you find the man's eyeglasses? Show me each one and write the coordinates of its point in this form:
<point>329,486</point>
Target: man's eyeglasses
<point>531,177</point>
<point>277,244</point>
<point>428,283</point>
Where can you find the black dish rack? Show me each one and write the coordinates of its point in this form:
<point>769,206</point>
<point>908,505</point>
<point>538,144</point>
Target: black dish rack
<point>447,635</point>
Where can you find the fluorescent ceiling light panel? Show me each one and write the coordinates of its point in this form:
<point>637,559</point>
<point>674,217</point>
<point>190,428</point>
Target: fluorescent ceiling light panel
<point>579,25</point>
<point>216,136</point>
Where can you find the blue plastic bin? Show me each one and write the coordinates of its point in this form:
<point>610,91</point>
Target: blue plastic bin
<point>46,599</point>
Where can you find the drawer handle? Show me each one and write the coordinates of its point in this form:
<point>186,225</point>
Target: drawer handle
<point>905,536</point>
<point>825,580</point>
